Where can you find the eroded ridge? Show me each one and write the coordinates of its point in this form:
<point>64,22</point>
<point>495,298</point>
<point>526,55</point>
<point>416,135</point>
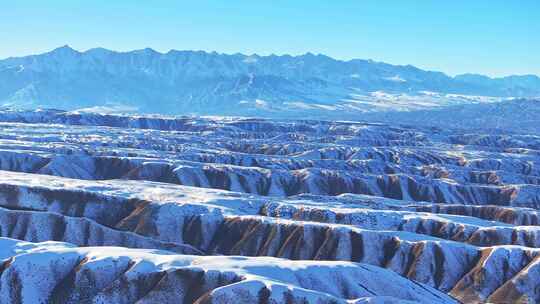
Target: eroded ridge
<point>447,210</point>
<point>437,249</point>
<point>54,272</point>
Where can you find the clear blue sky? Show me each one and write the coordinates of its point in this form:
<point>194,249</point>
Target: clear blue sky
<point>493,37</point>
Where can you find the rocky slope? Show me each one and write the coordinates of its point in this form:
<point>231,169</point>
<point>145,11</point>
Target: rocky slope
<point>62,273</point>
<point>214,209</point>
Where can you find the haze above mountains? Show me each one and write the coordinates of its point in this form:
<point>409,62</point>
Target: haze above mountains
<point>197,82</point>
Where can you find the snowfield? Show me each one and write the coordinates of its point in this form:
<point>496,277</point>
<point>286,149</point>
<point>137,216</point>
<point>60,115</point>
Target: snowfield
<point>99,208</point>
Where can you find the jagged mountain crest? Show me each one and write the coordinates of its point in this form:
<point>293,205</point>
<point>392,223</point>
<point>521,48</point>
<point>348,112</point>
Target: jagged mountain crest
<point>181,81</point>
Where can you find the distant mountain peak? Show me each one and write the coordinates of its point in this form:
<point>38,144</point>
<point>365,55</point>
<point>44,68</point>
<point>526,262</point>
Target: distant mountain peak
<point>64,50</point>
<point>146,50</point>
<point>195,81</point>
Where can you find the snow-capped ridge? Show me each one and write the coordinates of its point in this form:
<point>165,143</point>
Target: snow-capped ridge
<point>210,82</point>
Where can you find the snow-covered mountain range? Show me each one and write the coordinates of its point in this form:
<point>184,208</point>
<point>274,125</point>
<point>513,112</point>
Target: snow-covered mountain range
<point>198,82</point>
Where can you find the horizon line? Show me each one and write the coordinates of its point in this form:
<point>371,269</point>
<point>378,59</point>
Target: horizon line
<point>67,46</point>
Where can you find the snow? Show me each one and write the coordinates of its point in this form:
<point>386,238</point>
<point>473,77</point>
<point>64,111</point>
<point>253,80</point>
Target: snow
<point>196,82</point>
<point>396,78</point>
<point>325,210</point>
<point>312,281</point>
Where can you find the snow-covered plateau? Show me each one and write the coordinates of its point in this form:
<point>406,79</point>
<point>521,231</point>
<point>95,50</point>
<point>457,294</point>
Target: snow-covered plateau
<point>106,208</point>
